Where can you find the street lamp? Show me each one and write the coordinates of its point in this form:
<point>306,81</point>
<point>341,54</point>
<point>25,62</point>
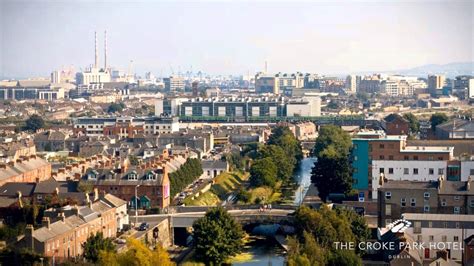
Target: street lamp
<point>136,205</point>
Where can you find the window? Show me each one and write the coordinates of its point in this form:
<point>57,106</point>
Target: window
<point>471,172</point>
<point>430,224</point>
<point>406,158</point>
<point>390,157</point>
<point>471,203</point>
<point>419,238</point>
<point>431,238</point>
<point>456,238</point>
<point>388,195</point>
<point>444,238</point>
<point>426,208</point>
<point>390,170</point>
<point>355,158</point>
<point>457,225</point>
<point>413,202</point>
<point>440,171</point>
<point>382,157</point>
<point>405,171</point>
<point>456,198</point>
<point>355,146</point>
<point>426,195</point>
<point>431,171</point>
<point>388,209</point>
<point>457,210</point>
<point>403,202</point>
<point>430,158</point>
<point>382,146</point>
<point>415,171</point>
<point>415,158</point>
<point>382,170</point>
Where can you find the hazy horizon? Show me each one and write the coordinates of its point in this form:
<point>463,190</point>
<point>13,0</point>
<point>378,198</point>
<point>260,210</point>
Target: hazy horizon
<point>234,37</point>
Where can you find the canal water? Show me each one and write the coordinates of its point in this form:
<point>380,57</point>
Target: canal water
<point>302,177</point>
<point>263,249</point>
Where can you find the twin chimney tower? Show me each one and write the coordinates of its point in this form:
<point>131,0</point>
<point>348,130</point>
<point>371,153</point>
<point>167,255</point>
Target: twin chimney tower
<point>96,62</point>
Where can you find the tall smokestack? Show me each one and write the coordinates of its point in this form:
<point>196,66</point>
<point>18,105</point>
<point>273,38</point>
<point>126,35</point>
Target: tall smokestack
<point>105,51</point>
<point>96,64</point>
<point>266,66</point>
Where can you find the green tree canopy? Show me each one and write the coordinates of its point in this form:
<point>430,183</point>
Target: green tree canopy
<point>414,123</point>
<point>217,236</point>
<point>332,174</point>
<point>438,118</point>
<point>116,107</point>
<point>95,244</point>
<point>263,172</point>
<point>34,123</point>
<point>317,230</point>
<point>283,137</point>
<point>332,137</point>
<point>284,164</point>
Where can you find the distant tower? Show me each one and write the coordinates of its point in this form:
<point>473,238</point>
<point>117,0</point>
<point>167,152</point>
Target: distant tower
<point>96,64</point>
<point>195,88</point>
<point>266,67</point>
<point>105,51</point>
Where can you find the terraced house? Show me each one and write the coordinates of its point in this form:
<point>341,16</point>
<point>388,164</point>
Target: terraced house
<point>65,229</point>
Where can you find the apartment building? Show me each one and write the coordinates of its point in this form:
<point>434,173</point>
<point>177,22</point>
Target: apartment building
<point>370,146</point>
<point>125,127</point>
<point>432,197</point>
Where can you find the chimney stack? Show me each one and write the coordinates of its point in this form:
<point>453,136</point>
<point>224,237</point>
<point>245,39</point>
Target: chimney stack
<point>96,194</point>
<point>29,236</point>
<point>105,51</point>
<point>96,63</point>
<point>46,222</point>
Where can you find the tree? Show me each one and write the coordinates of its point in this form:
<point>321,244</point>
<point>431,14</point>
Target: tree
<point>137,254</point>
<point>283,137</point>
<point>332,136</point>
<point>333,104</point>
<point>437,119</point>
<point>133,160</point>
<point>34,123</point>
<point>414,123</point>
<point>94,244</point>
<point>263,172</point>
<point>116,107</point>
<point>332,174</point>
<point>282,161</point>
<point>85,186</point>
<point>316,231</point>
<point>217,236</point>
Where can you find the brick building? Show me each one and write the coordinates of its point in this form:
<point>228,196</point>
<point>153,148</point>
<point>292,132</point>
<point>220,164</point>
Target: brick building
<point>64,230</point>
<point>369,146</point>
<point>26,169</point>
<point>395,124</point>
<point>438,197</point>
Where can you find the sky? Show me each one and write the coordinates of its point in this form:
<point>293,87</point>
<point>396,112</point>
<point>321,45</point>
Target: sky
<point>234,37</point>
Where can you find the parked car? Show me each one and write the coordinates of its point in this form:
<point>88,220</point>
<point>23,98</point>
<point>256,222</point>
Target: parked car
<point>144,226</point>
<point>120,241</point>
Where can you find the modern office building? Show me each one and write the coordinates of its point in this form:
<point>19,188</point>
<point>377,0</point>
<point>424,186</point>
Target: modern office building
<point>31,93</point>
<point>125,127</point>
<point>352,83</point>
<point>241,107</point>
<point>436,84</point>
<point>267,84</point>
<point>174,83</point>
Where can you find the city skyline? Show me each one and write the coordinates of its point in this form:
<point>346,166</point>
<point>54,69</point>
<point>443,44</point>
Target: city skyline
<point>173,37</point>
